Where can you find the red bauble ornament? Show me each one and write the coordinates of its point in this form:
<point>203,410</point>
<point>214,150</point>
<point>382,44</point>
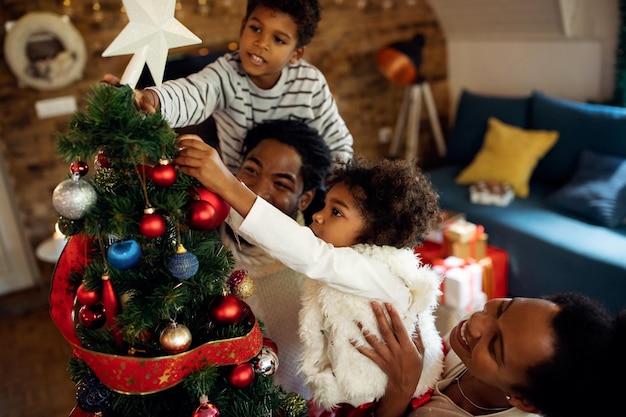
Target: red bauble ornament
<point>86,296</point>
<point>79,167</point>
<point>102,161</point>
<point>152,224</point>
<point>270,344</point>
<point>201,216</point>
<point>241,376</point>
<point>226,309</point>
<point>222,208</point>
<point>92,317</point>
<point>164,174</point>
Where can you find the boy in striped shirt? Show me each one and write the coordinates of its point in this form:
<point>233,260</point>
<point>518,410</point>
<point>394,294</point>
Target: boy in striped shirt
<point>266,79</point>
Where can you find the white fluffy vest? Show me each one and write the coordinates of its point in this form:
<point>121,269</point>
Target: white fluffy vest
<point>334,370</point>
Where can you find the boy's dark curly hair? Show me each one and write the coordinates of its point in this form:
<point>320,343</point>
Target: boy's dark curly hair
<point>589,349</point>
<point>306,14</point>
<point>396,198</point>
<point>315,154</point>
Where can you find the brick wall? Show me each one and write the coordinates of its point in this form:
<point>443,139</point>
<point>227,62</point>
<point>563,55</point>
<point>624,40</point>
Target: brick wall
<point>344,49</point>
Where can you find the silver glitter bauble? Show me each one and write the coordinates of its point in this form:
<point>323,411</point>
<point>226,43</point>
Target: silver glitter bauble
<point>73,198</point>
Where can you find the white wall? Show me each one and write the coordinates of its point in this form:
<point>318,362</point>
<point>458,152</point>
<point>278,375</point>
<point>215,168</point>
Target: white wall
<point>570,57</point>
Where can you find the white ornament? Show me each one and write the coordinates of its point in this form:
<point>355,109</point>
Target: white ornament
<point>152,30</point>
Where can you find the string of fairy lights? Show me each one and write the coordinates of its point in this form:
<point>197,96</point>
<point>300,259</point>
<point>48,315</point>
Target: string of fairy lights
<point>208,7</point>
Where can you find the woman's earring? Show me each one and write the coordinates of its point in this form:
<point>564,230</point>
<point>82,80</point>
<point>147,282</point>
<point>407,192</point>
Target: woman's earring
<point>508,397</point>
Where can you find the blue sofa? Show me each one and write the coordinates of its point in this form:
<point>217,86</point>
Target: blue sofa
<point>569,234</point>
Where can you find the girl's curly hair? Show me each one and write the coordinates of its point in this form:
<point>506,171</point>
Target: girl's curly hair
<point>396,198</point>
<point>305,13</point>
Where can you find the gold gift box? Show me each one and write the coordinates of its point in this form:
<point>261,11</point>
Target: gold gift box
<point>475,247</point>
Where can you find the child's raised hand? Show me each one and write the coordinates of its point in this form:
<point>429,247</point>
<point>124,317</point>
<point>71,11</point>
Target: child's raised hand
<point>146,100</point>
<point>202,161</point>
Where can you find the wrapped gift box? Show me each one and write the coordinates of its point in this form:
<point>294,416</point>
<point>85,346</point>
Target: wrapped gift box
<point>492,193</point>
<point>495,266</point>
<point>462,282</point>
<point>465,240</point>
<point>446,219</point>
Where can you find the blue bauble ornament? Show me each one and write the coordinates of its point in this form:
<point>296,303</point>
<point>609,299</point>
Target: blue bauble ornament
<point>183,264</point>
<point>125,254</point>
<point>92,395</point>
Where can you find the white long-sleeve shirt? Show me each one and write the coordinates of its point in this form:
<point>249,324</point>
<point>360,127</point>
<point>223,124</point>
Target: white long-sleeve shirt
<point>344,281</point>
<point>223,89</point>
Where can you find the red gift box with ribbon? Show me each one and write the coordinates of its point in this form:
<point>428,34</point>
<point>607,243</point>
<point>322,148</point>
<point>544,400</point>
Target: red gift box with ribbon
<point>495,266</point>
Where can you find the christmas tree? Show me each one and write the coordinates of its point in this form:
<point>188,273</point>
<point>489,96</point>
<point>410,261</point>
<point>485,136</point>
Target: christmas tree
<point>144,291</point>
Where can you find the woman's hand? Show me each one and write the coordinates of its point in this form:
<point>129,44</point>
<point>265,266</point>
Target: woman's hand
<point>398,356</point>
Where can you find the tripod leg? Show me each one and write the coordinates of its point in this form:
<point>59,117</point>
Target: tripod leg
<point>397,132</point>
<point>434,120</point>
<point>413,127</point>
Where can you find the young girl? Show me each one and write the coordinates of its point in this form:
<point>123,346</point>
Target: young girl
<point>359,247</point>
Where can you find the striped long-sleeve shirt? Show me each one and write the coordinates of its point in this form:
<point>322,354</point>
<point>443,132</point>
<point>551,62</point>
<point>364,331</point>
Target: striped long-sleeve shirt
<point>222,89</point>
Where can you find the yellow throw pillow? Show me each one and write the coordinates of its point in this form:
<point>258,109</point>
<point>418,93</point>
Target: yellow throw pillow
<point>509,154</point>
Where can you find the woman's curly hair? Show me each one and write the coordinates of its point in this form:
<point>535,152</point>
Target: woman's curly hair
<point>396,198</point>
<point>305,13</point>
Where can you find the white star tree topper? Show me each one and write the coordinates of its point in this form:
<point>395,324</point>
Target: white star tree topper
<point>151,31</point>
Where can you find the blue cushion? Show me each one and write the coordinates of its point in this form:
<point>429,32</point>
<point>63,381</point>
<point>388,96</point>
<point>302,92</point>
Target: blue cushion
<point>470,125</point>
<point>597,127</point>
<point>597,192</point>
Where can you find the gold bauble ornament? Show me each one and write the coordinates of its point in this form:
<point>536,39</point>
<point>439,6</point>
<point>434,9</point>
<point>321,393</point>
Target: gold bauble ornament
<point>175,338</point>
<point>245,288</point>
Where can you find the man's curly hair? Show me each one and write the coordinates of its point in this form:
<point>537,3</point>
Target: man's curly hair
<point>396,198</point>
<point>306,14</point>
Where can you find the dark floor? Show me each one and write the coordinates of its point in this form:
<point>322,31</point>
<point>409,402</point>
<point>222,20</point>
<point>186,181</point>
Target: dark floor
<point>34,356</point>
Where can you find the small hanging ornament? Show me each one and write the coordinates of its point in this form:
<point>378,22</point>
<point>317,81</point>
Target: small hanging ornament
<point>183,264</point>
<point>92,317</point>
<point>70,227</point>
<point>92,395</point>
<point>226,309</point>
<point>175,338</point>
<point>206,409</point>
<point>201,216</point>
<point>164,174</point>
<point>152,224</point>
<point>266,362</point>
<point>293,405</point>
<point>74,197</point>
<point>124,254</point>
<point>241,284</point>
<point>86,296</point>
<point>110,300</point>
<point>101,160</point>
<point>79,167</point>
<point>222,208</point>
<point>241,376</point>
